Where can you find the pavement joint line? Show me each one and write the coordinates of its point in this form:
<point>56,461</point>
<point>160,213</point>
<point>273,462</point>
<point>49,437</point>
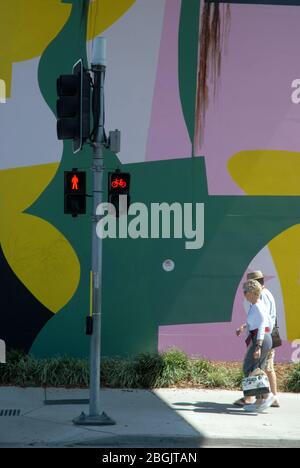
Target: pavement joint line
<point>31,411</point>
<point>58,423</point>
<point>70,424</point>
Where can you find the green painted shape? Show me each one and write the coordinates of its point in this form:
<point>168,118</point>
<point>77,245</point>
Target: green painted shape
<point>65,330</point>
<point>188,59</point>
<point>139,296</point>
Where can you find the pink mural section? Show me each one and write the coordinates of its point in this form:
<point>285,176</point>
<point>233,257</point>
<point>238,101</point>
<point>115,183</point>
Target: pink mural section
<point>168,137</point>
<point>253,109</point>
<point>215,341</point>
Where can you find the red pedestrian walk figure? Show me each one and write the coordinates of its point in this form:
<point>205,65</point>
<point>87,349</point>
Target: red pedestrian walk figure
<point>75,181</point>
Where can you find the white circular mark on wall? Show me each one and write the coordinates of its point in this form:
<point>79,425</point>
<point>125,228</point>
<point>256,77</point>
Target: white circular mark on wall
<point>168,265</point>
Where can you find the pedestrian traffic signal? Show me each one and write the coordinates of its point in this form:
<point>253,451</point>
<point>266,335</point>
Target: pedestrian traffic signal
<point>75,192</point>
<point>118,184</point>
<point>73,106</point>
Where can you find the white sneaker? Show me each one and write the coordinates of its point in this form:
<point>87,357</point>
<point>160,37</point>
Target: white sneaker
<point>266,403</point>
<point>250,408</point>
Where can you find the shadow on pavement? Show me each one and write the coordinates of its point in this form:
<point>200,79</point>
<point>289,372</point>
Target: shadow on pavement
<point>215,408</point>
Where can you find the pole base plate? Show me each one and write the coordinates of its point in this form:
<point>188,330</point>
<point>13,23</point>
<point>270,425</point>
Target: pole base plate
<point>97,420</point>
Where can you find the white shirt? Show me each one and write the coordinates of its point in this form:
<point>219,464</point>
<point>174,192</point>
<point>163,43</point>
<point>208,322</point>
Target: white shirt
<point>258,319</point>
<point>269,301</point>
<point>270,307</point>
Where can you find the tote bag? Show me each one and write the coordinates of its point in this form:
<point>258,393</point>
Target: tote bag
<point>256,384</point>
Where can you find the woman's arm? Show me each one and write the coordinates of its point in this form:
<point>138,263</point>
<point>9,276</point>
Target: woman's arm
<point>241,329</point>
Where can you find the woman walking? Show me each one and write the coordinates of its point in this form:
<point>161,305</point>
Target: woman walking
<point>259,340</point>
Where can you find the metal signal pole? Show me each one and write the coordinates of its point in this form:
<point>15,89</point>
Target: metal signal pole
<point>98,68</point>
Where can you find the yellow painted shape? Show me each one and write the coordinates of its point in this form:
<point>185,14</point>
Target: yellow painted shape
<point>42,259</point>
<point>26,28</point>
<point>22,186</point>
<point>266,172</point>
<point>276,173</point>
<point>103,13</point>
<point>285,250</point>
<point>37,252</point>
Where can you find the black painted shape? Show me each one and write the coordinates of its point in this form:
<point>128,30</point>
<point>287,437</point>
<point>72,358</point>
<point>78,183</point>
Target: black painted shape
<point>22,316</point>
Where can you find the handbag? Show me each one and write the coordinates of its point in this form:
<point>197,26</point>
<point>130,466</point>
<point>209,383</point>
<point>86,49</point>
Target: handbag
<point>276,340</point>
<point>256,384</point>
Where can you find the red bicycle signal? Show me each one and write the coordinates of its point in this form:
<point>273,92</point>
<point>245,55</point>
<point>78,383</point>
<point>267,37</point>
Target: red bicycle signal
<point>116,183</point>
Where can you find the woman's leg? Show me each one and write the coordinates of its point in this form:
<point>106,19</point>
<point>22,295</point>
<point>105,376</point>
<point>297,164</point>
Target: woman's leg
<point>248,367</point>
<point>268,398</point>
<point>251,364</point>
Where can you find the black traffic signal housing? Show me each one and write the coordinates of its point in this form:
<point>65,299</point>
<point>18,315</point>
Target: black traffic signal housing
<point>73,106</point>
<point>118,184</point>
<point>75,192</point>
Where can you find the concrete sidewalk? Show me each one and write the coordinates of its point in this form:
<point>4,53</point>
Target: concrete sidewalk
<point>159,418</point>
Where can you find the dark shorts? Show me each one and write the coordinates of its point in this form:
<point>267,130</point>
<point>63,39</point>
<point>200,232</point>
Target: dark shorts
<point>251,364</point>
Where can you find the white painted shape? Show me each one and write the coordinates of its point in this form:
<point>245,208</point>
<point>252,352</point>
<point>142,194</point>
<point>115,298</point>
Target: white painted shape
<point>133,45</point>
<point>27,125</point>
<point>264,262</point>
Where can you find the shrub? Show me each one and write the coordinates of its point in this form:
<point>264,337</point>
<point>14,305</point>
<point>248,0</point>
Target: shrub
<point>64,371</point>
<point>199,370</point>
<point>149,367</point>
<point>175,358</point>
<point>119,373</point>
<point>292,382</point>
<point>146,370</point>
<point>25,370</point>
<point>176,367</point>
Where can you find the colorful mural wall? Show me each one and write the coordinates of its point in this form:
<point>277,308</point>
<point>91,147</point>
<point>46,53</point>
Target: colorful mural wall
<point>244,168</point>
